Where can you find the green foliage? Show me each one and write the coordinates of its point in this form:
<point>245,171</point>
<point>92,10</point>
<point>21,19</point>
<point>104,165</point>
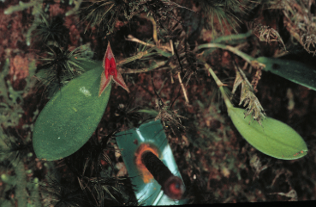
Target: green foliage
<point>291,70</point>
<point>21,193</point>
<point>35,194</point>
<point>60,66</point>
<point>272,137</point>
<point>37,9</point>
<point>222,14</point>
<point>103,13</point>
<point>70,117</point>
<point>11,112</point>
<point>14,150</point>
<point>51,31</point>
<point>19,182</point>
<point>21,6</point>
<point>9,108</point>
<point>269,136</point>
<point>167,68</point>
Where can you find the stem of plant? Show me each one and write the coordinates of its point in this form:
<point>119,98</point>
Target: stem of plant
<point>131,59</point>
<point>183,89</point>
<point>220,85</point>
<point>154,29</point>
<point>134,39</point>
<point>229,48</point>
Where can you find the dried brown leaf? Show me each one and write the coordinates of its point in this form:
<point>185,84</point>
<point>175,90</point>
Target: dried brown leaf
<point>300,22</point>
<point>247,96</point>
<point>168,117</point>
<point>268,34</point>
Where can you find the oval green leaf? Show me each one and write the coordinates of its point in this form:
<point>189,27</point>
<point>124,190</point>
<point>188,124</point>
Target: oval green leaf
<point>273,137</point>
<point>69,119</point>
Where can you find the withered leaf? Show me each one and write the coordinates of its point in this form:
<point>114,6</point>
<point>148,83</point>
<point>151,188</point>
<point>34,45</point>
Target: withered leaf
<point>247,96</point>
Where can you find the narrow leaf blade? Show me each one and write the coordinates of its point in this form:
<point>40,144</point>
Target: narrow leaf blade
<point>294,71</point>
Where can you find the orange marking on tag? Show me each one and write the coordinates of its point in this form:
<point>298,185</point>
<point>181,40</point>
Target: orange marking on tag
<point>146,175</point>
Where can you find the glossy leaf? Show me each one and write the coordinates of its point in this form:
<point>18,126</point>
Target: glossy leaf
<point>70,117</point>
<point>273,138</point>
<point>88,64</point>
<point>291,70</point>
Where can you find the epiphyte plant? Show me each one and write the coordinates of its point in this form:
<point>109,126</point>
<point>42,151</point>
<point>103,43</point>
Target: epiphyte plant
<point>114,19</point>
<point>110,73</point>
<point>71,116</point>
<point>51,30</point>
<point>222,11</point>
<point>268,135</point>
<point>60,66</point>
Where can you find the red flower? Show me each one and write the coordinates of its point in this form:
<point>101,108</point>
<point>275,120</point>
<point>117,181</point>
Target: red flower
<point>110,72</point>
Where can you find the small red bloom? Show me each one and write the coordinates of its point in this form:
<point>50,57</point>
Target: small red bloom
<point>110,72</point>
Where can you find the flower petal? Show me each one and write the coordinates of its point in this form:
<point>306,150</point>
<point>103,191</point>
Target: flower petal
<point>120,81</point>
<point>104,83</point>
<point>108,55</point>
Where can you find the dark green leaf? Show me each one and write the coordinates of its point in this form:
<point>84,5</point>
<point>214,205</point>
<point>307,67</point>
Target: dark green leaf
<point>70,117</point>
<point>291,70</point>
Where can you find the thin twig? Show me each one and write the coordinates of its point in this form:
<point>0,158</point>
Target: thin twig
<point>220,85</point>
<point>141,70</point>
<point>183,89</point>
<point>229,48</point>
<point>234,50</point>
<point>172,52</point>
<point>154,30</point>
<point>175,51</point>
<point>131,59</point>
<point>162,85</point>
<point>134,39</point>
<point>172,81</point>
<point>172,49</point>
<point>76,8</point>
<point>179,76</point>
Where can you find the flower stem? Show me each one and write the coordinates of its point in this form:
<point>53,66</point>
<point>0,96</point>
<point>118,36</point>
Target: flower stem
<point>234,50</point>
<point>220,85</point>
